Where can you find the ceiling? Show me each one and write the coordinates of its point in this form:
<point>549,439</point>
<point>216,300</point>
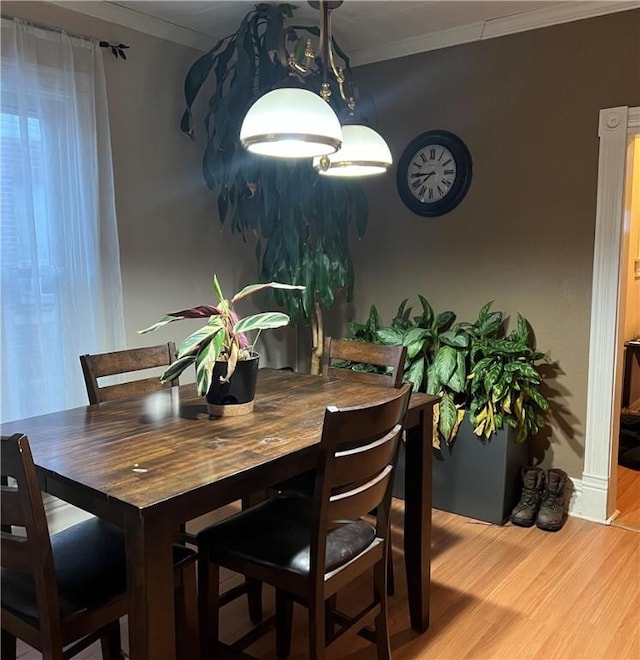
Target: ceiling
<point>368,30</point>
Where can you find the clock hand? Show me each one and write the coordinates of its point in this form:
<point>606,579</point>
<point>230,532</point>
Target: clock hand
<point>419,174</point>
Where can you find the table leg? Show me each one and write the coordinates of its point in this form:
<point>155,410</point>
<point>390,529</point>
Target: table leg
<point>417,519</point>
<point>150,586</point>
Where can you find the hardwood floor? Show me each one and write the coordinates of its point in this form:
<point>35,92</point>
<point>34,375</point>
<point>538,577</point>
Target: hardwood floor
<point>499,592</point>
<point>628,499</point>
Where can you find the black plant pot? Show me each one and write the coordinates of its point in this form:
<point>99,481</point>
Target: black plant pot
<point>235,397</point>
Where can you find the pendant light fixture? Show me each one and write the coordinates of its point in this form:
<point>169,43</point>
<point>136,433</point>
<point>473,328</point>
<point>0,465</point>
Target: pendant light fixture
<point>291,121</point>
<point>363,153</point>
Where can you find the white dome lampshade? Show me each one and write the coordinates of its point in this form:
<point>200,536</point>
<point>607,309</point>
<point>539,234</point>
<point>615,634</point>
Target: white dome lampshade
<point>291,123</point>
<point>363,152</point>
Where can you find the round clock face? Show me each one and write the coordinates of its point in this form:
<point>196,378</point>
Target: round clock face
<point>434,173</point>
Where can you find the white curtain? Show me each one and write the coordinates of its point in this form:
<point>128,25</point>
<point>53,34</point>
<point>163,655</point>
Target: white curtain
<point>61,290</point>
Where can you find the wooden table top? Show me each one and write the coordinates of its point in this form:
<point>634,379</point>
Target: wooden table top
<point>147,452</point>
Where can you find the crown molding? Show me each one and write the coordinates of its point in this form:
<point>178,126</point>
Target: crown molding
<point>498,27</point>
<point>134,20</point>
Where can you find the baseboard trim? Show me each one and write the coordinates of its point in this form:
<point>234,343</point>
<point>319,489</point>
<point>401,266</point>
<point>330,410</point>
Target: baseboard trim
<point>588,499</point>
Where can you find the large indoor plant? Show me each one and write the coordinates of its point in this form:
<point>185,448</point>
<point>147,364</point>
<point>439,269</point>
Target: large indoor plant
<point>475,368</point>
<point>221,345</point>
<point>489,383</point>
<point>300,220</point>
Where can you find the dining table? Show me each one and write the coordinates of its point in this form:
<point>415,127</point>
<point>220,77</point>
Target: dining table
<point>151,462</point>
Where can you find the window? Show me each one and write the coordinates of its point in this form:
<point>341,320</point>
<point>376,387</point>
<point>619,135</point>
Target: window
<point>61,292</point>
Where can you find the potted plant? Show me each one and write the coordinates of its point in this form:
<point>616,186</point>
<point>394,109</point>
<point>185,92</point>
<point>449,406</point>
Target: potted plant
<point>478,475</point>
<point>490,403</point>
<point>221,350</point>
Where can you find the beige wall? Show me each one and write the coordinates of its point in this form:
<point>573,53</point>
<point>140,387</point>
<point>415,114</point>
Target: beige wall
<point>527,107</point>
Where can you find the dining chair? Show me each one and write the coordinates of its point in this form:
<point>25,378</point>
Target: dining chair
<point>310,548</point>
<point>345,358</point>
<point>62,592</point>
<point>128,361</point>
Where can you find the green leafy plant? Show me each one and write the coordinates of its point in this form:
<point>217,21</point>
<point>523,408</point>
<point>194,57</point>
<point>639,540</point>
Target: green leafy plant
<point>301,220</point>
<point>436,363</point>
<point>473,367</point>
<point>223,337</point>
<point>505,384</point>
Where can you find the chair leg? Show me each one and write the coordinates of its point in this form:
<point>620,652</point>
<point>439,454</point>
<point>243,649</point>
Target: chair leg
<point>110,642</point>
<point>186,611</point>
<point>284,618</point>
<point>8,645</point>
<point>329,623</point>
<point>208,605</point>
<point>383,645</point>
<point>391,583</point>
<point>317,640</point>
<point>254,587</point>
<point>254,600</point>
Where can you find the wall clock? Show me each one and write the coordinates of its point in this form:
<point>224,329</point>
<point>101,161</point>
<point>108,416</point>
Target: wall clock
<point>434,173</point>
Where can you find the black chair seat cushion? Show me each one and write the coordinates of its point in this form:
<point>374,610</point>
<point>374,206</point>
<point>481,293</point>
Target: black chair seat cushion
<point>277,533</point>
<point>90,567</point>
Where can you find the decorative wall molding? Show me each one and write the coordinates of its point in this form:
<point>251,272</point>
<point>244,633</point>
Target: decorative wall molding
<point>129,18</point>
<point>489,29</point>
<point>603,394</point>
<point>573,11</point>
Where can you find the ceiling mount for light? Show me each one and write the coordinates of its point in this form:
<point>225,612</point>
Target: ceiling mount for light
<point>292,121</point>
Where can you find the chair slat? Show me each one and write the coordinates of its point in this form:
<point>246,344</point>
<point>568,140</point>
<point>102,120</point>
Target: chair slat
<point>126,362</point>
<point>354,504</point>
<point>134,359</point>
<point>11,506</point>
<point>16,553</point>
<point>354,427</point>
<point>133,387</point>
<point>378,355</point>
<point>360,463</point>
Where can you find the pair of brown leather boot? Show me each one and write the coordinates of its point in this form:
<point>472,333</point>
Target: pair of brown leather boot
<point>542,499</point>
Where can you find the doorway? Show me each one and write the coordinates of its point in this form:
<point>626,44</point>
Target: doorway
<point>627,513</point>
<point>598,498</point>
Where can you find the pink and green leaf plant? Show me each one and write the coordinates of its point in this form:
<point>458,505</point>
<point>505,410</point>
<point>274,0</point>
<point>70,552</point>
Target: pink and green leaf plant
<point>223,338</point>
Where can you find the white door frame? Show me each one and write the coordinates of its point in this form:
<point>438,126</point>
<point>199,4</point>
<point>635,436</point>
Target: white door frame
<point>597,499</point>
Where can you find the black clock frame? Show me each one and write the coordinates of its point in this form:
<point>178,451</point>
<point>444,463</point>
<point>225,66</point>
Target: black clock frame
<point>464,170</point>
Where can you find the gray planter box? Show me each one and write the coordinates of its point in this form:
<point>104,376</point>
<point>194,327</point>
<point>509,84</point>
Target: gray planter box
<point>479,478</point>
<point>476,478</point>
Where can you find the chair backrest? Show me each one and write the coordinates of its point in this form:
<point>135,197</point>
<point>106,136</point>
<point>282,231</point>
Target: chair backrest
<point>389,359</point>
<point>123,362</point>
<point>359,449</point>
<point>27,549</point>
